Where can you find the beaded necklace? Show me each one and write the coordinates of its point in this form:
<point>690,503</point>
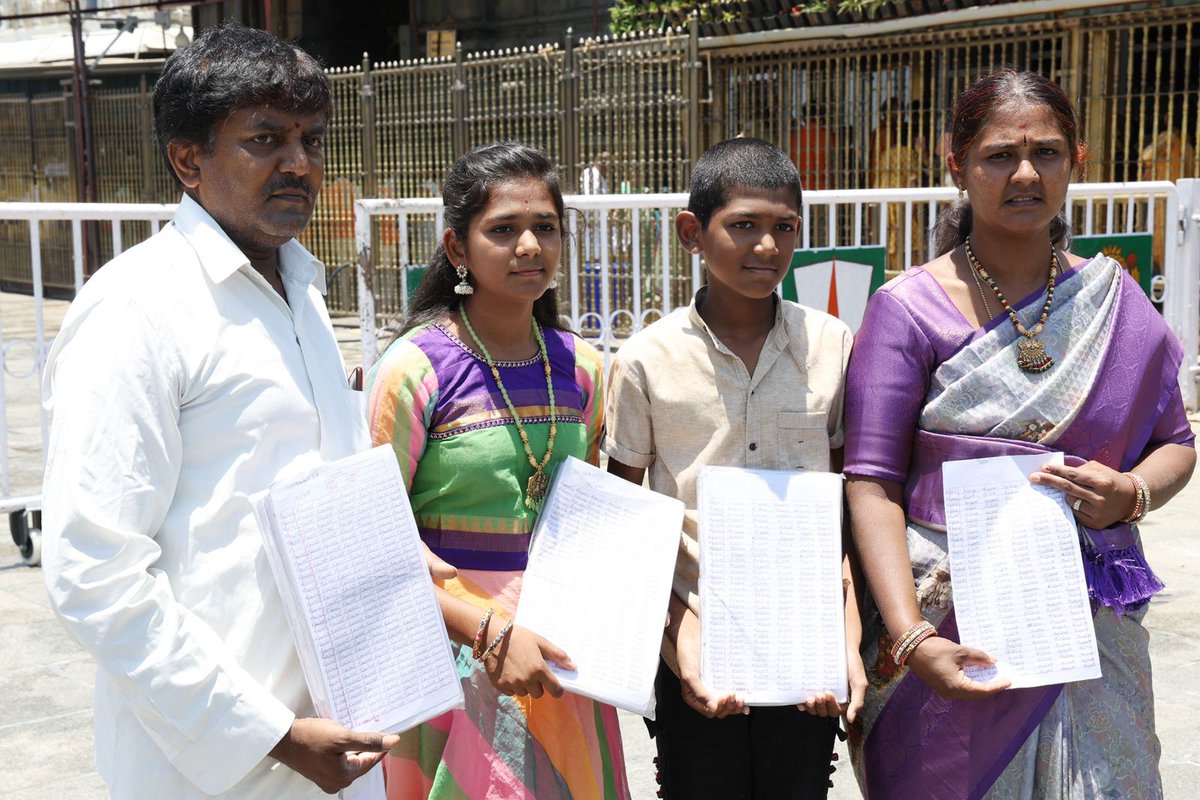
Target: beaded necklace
<point>535,489</point>
<point>982,295</point>
<point>1031,351</point>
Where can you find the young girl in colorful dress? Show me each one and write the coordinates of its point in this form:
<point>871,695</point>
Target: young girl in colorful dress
<point>481,395</point>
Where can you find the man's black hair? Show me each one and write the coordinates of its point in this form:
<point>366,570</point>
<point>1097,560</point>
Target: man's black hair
<point>742,163</point>
<point>229,68</point>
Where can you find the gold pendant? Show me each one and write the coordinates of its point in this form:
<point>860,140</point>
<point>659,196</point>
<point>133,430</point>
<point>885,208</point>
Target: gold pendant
<point>535,490</point>
<point>1031,355</point>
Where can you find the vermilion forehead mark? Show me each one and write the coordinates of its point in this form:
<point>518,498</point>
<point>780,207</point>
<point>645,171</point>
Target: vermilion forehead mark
<point>296,125</point>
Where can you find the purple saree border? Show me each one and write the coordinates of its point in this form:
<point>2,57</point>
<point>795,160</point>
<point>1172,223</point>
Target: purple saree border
<point>920,735</point>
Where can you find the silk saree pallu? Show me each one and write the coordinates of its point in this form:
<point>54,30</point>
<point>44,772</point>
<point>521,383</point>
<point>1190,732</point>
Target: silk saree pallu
<point>1114,374</point>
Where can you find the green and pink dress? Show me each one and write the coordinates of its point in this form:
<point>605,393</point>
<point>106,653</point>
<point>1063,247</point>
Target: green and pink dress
<point>435,401</point>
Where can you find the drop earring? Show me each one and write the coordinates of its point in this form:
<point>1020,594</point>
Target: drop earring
<point>553,282</point>
<point>463,286</point>
<point>962,195</point>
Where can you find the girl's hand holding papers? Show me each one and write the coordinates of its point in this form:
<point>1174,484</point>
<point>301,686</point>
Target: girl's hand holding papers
<point>518,665</point>
<point>858,685</point>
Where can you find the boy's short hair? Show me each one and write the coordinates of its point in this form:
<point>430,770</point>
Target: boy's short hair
<point>743,163</point>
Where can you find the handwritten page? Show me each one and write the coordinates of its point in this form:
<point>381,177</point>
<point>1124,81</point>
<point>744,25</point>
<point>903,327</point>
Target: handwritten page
<point>772,624</point>
<point>1019,589</point>
<point>343,546</point>
<point>599,580</point>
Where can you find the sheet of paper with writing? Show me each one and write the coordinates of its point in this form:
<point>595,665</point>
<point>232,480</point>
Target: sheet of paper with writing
<point>772,623</point>
<point>346,555</point>
<point>1019,589</point>
<point>599,580</point>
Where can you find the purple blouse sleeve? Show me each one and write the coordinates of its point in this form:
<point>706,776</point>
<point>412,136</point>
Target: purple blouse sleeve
<point>886,385</point>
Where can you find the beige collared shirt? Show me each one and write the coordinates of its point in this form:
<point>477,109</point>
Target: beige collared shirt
<point>679,399</point>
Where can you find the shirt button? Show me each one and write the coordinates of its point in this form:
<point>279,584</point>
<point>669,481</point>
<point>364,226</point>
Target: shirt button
<point>753,446</point>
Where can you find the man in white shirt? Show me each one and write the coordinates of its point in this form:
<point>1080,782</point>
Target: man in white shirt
<point>191,372</point>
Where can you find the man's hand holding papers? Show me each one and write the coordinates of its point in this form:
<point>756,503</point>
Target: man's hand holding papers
<point>330,755</point>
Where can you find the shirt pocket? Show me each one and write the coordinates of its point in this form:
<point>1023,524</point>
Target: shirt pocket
<point>803,440</point>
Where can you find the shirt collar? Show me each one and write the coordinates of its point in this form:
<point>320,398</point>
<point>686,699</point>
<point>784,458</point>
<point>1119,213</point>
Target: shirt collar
<point>778,329</point>
<point>220,257</point>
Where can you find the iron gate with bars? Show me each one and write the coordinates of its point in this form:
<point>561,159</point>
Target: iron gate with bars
<point>865,113</point>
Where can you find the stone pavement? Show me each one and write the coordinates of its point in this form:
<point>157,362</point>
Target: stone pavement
<point>46,679</point>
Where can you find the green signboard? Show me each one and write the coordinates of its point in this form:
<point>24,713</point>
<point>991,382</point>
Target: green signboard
<point>1132,250</point>
<point>836,280</point>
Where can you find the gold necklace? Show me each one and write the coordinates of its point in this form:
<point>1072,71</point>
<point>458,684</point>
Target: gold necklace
<point>1031,351</point>
<point>987,307</point>
<point>535,489</point>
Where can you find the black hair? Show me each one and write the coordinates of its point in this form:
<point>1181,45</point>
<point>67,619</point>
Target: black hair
<point>742,163</point>
<point>973,111</point>
<point>465,193</point>
<point>228,68</point>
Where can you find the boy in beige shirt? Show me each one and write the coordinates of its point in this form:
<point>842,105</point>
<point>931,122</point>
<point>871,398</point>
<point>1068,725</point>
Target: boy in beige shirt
<point>738,378</point>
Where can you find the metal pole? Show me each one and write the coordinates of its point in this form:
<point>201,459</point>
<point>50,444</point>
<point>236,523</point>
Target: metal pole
<point>370,152</point>
<point>691,141</point>
<point>83,132</point>
<point>35,193</point>
<point>366,284</point>
<point>458,102</point>
<point>148,144</point>
<point>570,117</point>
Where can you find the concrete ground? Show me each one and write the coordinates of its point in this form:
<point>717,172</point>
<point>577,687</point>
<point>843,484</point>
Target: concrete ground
<point>46,679</point>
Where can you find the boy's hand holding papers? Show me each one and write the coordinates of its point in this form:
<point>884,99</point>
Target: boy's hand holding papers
<point>771,603</point>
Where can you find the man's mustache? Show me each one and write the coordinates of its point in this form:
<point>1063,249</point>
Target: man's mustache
<point>290,183</point>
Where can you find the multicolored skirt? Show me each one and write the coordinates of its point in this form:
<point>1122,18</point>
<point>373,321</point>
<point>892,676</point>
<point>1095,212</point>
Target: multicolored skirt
<point>504,748</point>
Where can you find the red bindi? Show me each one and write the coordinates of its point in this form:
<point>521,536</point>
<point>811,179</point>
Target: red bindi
<point>296,125</point>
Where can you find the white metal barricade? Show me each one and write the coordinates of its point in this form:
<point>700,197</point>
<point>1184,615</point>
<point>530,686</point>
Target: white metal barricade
<point>851,218</point>
<point>23,510</point>
<point>1181,305</point>
<point>847,218</point>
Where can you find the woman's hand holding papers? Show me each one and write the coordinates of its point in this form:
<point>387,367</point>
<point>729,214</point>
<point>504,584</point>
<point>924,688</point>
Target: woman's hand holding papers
<point>939,662</point>
<point>518,665</point>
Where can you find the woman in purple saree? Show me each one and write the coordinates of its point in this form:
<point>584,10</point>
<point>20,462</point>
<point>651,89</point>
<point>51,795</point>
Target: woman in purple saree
<point>944,368</point>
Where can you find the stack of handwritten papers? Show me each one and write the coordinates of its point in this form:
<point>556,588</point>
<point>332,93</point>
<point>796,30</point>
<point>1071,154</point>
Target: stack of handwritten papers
<point>599,580</point>
<point>772,623</point>
<point>1015,564</point>
<point>346,555</point>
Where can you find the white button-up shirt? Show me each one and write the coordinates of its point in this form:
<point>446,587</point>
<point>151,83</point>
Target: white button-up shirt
<point>180,385</point>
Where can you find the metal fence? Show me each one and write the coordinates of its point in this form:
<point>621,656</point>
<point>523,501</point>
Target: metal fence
<point>619,287</point>
<point>615,297</point>
<point>631,113</point>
